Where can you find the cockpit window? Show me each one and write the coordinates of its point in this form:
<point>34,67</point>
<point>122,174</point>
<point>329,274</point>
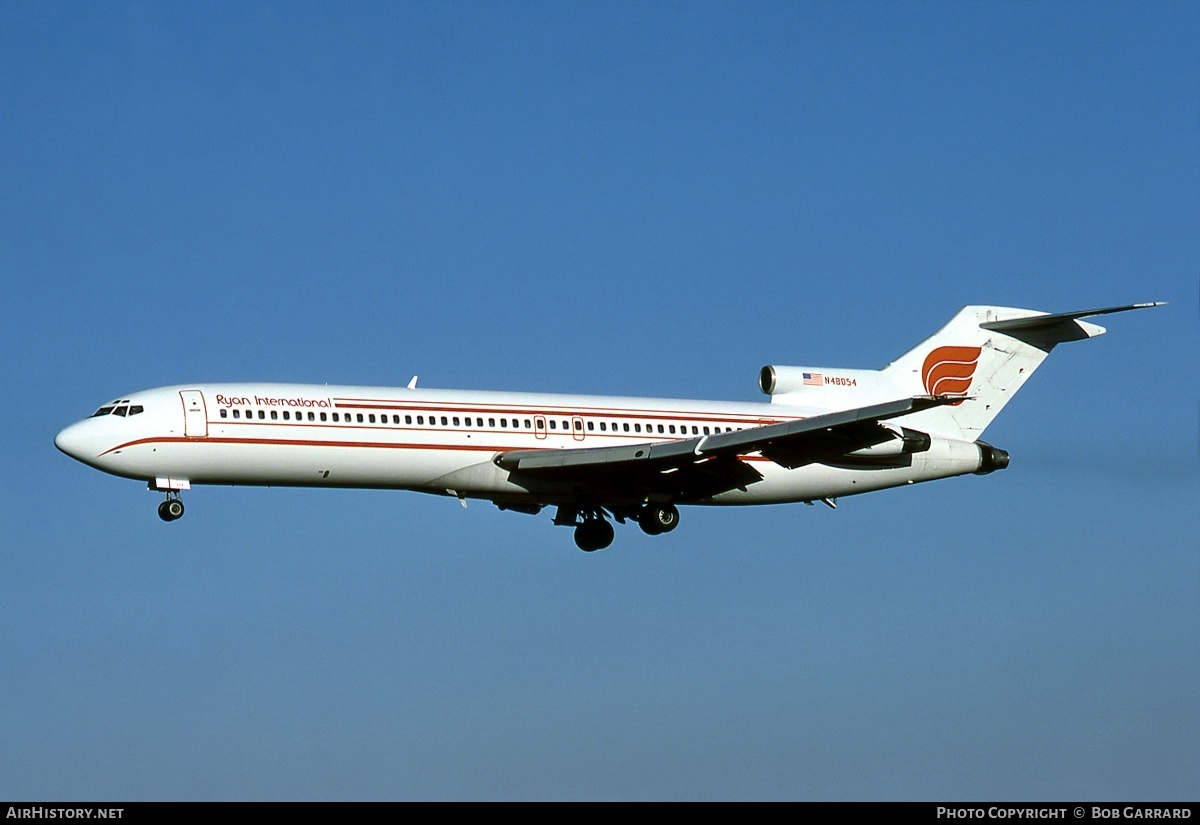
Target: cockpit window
<point>124,409</point>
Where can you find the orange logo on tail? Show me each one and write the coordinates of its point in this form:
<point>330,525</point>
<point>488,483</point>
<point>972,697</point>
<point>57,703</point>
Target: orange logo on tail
<point>949,370</point>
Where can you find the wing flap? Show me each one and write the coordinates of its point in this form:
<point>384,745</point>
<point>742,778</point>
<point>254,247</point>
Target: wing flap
<point>668,452</point>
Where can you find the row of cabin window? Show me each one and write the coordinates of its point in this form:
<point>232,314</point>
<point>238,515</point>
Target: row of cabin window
<point>447,421</point>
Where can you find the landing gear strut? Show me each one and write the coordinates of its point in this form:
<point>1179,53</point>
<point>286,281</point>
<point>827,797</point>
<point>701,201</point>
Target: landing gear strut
<point>172,508</point>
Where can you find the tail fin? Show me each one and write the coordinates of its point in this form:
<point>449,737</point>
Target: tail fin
<point>984,355</point>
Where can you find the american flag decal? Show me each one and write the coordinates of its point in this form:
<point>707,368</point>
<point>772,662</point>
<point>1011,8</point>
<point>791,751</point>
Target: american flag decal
<point>812,379</point>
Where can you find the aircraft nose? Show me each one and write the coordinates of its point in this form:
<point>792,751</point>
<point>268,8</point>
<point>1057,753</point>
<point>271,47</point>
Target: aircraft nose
<point>73,441</point>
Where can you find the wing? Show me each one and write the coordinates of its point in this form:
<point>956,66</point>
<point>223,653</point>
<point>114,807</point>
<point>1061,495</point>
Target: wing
<point>710,464</point>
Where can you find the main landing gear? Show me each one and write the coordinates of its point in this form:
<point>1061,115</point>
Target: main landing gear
<point>172,508</point>
<point>658,518</point>
<point>594,532</point>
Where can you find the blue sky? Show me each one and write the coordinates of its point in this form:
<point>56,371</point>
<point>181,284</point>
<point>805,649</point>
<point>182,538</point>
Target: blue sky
<point>644,199</point>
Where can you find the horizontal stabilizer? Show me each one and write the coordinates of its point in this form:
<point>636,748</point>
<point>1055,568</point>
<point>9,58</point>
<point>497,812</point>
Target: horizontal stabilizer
<point>1060,326</point>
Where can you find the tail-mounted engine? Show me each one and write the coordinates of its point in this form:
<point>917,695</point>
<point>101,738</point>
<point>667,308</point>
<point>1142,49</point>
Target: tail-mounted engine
<point>825,386</point>
<point>991,458</point>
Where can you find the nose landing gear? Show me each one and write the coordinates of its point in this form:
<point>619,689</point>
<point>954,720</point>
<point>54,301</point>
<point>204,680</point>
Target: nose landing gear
<point>172,508</point>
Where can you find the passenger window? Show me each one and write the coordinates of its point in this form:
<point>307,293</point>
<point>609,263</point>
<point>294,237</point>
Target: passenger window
<point>262,415</point>
<point>237,413</point>
<point>660,428</point>
<point>287,416</point>
<point>420,419</point>
<point>395,419</point>
<point>491,422</point>
<point>445,421</point>
<point>603,427</point>
<point>637,428</point>
<point>553,425</point>
<point>323,418</point>
<point>224,413</point>
<point>408,419</point>
<point>371,418</point>
<point>706,431</point>
<point>528,424</point>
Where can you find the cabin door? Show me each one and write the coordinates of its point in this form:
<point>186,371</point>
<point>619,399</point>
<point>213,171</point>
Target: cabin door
<point>195,417</point>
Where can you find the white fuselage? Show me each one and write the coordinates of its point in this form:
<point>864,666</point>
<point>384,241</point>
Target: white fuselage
<point>440,441</point>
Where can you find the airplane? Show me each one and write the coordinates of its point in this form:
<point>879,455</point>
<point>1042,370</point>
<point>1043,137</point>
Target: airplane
<point>826,433</point>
